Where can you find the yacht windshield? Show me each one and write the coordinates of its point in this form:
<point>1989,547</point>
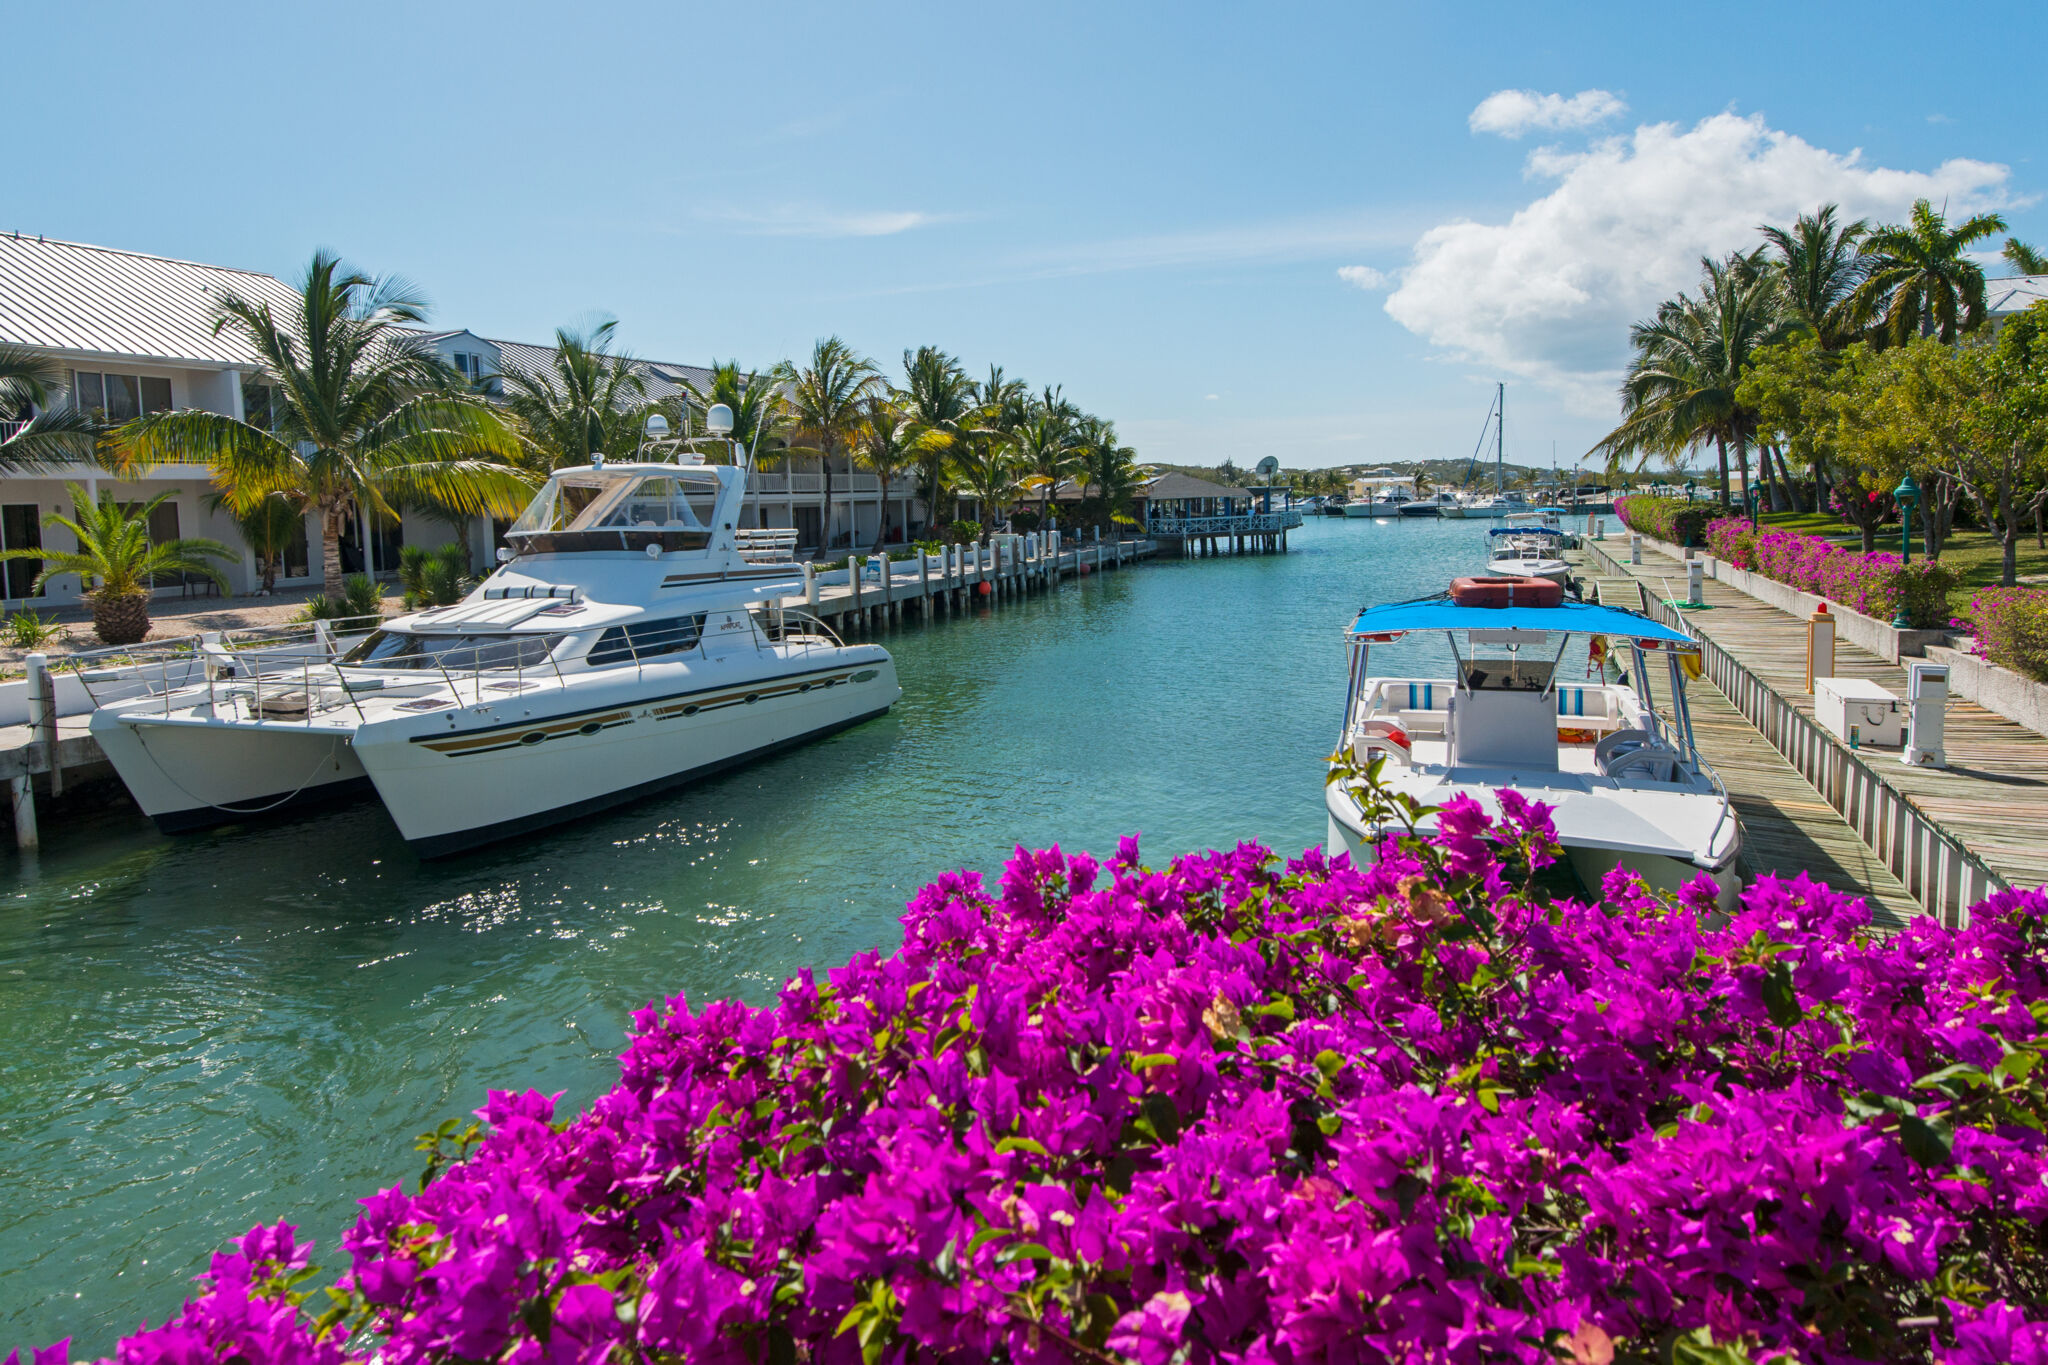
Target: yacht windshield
<point>467,653</point>
<point>596,509</point>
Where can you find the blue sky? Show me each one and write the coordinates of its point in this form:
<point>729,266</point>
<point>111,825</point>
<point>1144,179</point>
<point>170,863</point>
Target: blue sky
<point>1150,205</point>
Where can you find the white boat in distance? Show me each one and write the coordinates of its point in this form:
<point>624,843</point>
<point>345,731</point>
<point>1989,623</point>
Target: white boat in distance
<point>1431,506</point>
<point>626,645</point>
<point>1531,545</point>
<point>1628,785</point>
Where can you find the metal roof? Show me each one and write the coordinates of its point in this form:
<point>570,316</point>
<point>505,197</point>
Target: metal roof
<point>2014,293</point>
<point>663,379</point>
<point>95,300</point>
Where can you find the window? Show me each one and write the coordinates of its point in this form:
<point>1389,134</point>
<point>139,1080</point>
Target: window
<point>258,404</point>
<point>643,640</point>
<point>21,528</point>
<point>118,397</point>
<point>163,529</point>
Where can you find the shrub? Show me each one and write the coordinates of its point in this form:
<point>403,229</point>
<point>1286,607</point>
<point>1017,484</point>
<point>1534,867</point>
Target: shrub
<point>1235,1112</point>
<point>2012,629</point>
<point>412,572</point>
<point>1877,584</point>
<point>964,532</point>
<point>1733,541</point>
<point>1668,519</point>
<point>360,596</point>
<point>26,630</point>
<point>321,607</point>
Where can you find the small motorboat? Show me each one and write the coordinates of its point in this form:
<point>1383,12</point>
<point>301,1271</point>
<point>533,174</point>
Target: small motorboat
<point>1526,549</point>
<point>1626,783</point>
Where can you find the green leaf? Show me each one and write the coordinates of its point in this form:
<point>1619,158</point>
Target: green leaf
<point>1023,1251</point>
<point>1151,1059</point>
<point>1931,1142</point>
<point>1781,999</point>
<point>1020,1144</point>
<point>1329,1062</point>
<point>1283,1008</point>
<point>985,1236</point>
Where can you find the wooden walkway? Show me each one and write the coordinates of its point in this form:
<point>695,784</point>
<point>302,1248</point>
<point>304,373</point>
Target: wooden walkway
<point>1787,826</point>
<point>1992,799</point>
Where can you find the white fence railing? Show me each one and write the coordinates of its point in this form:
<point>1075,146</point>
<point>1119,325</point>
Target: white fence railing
<point>1252,523</point>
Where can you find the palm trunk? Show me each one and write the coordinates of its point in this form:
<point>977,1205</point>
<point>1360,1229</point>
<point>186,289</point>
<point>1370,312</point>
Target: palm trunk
<point>1721,445</point>
<point>331,574</point>
<point>1742,458</point>
<point>825,469</point>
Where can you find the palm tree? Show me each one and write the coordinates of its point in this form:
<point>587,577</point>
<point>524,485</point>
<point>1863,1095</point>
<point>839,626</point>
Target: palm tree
<point>367,419</point>
<point>940,401</point>
<point>1045,445</point>
<point>43,436</point>
<point>1819,271</point>
<point>1110,473</point>
<point>589,401</point>
<point>758,416</point>
<point>824,401</point>
<point>1680,388</point>
<point>884,442</point>
<point>116,561</point>
<point>1920,280</point>
<point>988,465</point>
<point>2024,258</point>
<point>267,528</point>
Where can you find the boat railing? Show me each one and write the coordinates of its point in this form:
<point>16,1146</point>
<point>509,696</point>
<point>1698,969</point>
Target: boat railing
<point>766,545</point>
<point>163,669</point>
<point>780,625</point>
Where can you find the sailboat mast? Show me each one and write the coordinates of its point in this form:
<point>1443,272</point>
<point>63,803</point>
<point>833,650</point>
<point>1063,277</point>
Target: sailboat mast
<point>1500,437</point>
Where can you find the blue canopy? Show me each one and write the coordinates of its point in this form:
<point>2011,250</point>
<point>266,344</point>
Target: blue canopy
<point>1575,618</point>
<point>1524,531</point>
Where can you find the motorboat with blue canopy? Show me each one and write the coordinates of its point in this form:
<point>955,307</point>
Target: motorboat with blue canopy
<point>1611,751</point>
<point>1530,545</point>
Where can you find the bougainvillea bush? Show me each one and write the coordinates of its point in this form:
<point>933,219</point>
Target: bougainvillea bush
<point>1669,519</point>
<point>1876,584</point>
<point>1242,1111</point>
<point>2011,625</point>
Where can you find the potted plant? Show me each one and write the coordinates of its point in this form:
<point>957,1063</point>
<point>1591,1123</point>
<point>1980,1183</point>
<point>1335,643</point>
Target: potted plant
<point>116,560</point>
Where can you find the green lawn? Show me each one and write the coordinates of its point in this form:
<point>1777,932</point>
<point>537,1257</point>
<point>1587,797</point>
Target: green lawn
<point>1973,554</point>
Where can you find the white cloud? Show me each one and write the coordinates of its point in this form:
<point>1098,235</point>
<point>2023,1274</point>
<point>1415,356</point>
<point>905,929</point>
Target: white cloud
<point>1209,397</point>
<point>1512,113</point>
<point>799,221</point>
<point>1549,294</point>
<point>1364,276</point>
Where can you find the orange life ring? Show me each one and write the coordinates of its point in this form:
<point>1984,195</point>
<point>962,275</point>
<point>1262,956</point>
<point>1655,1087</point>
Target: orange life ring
<point>1506,592</point>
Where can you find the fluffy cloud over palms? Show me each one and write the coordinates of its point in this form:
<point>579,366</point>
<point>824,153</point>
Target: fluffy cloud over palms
<point>1549,294</point>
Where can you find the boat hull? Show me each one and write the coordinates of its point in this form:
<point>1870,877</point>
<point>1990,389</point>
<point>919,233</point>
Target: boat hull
<point>463,786</point>
<point>190,775</point>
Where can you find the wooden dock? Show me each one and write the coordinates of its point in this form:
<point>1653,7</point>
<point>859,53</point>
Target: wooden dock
<point>1950,835</point>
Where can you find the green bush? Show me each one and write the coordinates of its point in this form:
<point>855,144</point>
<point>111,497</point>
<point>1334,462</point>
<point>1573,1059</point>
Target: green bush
<point>412,574</point>
<point>964,532</point>
<point>2012,629</point>
<point>321,607</point>
<point>1669,519</point>
<point>360,596</point>
<point>26,630</point>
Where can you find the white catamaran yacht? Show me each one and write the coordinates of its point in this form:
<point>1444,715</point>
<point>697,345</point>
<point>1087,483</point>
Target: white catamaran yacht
<point>1626,781</point>
<point>631,639</point>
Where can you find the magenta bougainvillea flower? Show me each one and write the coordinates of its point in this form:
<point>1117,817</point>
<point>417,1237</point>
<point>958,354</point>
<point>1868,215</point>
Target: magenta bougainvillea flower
<point>1237,1110</point>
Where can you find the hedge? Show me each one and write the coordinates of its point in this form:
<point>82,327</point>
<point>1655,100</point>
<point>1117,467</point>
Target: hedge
<point>1877,584</point>
<point>1668,519</point>
<point>2011,625</point>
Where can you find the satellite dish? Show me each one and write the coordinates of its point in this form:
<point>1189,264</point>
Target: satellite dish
<point>718,419</point>
<point>1269,469</point>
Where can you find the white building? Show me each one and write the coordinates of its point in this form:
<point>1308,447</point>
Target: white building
<point>134,335</point>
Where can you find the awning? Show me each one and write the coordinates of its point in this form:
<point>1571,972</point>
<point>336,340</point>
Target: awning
<point>1574,618</point>
<point>1525,531</point>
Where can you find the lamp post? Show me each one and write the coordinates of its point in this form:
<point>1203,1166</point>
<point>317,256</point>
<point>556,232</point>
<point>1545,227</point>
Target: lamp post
<point>1908,496</point>
<point>1688,490</point>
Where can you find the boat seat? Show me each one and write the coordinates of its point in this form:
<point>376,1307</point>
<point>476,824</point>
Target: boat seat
<point>1586,708</point>
<point>1422,706</point>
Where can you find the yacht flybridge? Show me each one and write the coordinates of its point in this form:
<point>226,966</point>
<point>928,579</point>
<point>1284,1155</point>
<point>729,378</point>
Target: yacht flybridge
<point>630,639</point>
<point>1627,783</point>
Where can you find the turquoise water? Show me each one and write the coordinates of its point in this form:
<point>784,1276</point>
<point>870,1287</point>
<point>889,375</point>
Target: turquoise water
<point>211,1031</point>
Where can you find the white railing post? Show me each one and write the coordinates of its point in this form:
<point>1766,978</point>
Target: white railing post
<point>810,585</point>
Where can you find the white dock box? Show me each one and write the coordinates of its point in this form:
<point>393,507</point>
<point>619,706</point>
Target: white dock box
<point>1878,716</point>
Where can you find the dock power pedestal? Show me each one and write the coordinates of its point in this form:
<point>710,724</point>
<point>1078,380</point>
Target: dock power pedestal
<point>1926,709</point>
